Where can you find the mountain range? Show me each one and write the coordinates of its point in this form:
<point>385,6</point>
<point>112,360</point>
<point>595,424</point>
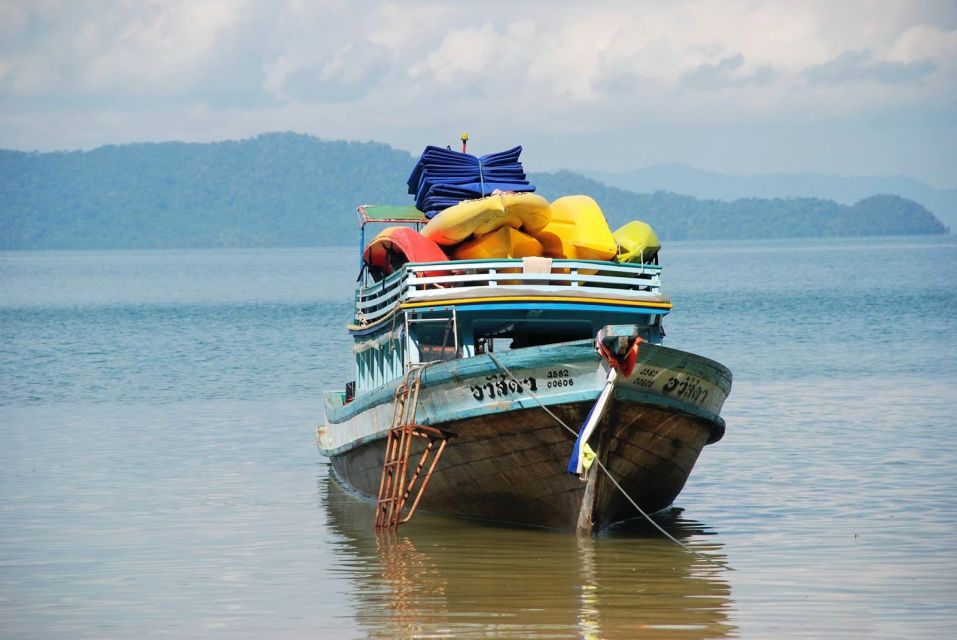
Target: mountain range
<point>288,189</point>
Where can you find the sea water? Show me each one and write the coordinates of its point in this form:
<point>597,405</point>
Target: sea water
<point>159,476</point>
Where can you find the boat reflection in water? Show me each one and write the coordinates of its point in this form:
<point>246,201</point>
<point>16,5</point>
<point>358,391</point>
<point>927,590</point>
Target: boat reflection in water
<point>443,577</point>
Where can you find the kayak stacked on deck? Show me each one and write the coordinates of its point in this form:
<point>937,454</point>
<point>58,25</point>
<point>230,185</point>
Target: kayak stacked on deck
<point>393,247</point>
<point>513,225</point>
<point>483,208</point>
<point>499,226</point>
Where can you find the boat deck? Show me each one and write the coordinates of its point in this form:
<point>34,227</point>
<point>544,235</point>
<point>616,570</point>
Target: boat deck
<point>540,279</point>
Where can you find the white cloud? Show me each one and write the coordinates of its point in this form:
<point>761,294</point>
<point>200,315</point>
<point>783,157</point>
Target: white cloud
<point>161,49</point>
<point>925,42</point>
<point>82,73</point>
<point>464,50</point>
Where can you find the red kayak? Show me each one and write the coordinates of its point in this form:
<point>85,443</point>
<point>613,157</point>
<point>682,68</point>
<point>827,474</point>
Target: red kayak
<point>395,246</point>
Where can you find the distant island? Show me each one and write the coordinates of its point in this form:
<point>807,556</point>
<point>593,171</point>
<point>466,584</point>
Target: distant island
<point>287,189</point>
<point>698,183</point>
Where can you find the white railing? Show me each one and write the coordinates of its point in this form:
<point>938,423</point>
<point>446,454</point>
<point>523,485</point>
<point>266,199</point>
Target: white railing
<point>437,280</point>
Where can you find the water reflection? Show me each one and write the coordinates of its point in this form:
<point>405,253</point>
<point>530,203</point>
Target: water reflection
<point>441,577</point>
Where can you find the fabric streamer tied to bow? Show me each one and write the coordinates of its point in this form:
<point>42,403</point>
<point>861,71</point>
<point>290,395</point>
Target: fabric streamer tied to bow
<point>582,454</point>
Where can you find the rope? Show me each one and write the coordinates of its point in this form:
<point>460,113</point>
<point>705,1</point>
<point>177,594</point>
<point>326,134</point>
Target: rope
<point>481,177</point>
<point>601,466</point>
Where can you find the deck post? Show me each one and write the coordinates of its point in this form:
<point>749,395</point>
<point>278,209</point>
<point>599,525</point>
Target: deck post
<point>585,522</point>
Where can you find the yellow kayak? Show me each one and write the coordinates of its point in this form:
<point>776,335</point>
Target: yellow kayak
<point>638,241</point>
<point>577,230</point>
<point>526,211</point>
<point>505,242</point>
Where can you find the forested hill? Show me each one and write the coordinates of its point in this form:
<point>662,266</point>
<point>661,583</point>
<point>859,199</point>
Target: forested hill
<point>287,189</point>
<point>679,217</point>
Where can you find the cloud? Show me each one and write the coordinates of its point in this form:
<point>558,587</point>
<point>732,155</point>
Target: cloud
<point>860,66</point>
<point>77,73</point>
<point>351,73</point>
<point>100,54</point>
<point>726,73</point>
<point>468,50</point>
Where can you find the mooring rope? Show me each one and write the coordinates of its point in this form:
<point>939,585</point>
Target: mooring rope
<point>601,466</point>
<point>481,177</point>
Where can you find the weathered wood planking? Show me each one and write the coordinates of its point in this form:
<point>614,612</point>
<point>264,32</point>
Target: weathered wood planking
<point>512,468</point>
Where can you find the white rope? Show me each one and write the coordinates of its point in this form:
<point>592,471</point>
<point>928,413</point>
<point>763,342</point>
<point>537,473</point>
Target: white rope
<point>601,466</point>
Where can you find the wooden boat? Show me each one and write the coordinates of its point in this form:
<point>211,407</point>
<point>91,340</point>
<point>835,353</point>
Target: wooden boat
<point>474,378</point>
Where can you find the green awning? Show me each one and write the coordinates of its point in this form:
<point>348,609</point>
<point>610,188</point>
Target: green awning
<point>390,213</point>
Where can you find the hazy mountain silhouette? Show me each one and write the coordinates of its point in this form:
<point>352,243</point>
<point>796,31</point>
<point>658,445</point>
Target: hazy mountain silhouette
<point>287,189</point>
<point>679,178</point>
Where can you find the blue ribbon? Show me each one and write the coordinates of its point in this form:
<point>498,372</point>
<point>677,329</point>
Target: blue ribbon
<point>573,461</point>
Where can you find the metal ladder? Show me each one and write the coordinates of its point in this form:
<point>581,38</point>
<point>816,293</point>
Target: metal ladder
<point>395,485</point>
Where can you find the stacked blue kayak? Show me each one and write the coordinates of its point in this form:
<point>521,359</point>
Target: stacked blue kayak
<point>443,178</point>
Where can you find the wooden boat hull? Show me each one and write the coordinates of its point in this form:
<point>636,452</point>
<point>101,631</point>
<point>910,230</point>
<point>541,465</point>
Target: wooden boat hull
<point>511,467</point>
<point>507,457</point>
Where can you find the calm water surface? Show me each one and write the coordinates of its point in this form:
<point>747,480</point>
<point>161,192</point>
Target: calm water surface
<point>158,474</point>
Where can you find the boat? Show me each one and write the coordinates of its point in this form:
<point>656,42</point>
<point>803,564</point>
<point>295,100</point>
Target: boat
<point>526,390</point>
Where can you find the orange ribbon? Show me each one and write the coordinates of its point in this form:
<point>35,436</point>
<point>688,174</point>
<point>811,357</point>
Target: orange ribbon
<point>626,364</point>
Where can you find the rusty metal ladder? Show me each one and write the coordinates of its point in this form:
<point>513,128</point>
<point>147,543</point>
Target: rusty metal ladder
<point>395,485</point>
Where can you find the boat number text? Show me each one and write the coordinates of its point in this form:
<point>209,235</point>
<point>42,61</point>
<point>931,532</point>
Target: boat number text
<point>688,389</point>
<point>558,378</point>
<point>645,378</point>
<point>501,386</point>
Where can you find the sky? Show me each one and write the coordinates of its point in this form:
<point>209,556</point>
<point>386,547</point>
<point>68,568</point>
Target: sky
<point>850,87</point>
